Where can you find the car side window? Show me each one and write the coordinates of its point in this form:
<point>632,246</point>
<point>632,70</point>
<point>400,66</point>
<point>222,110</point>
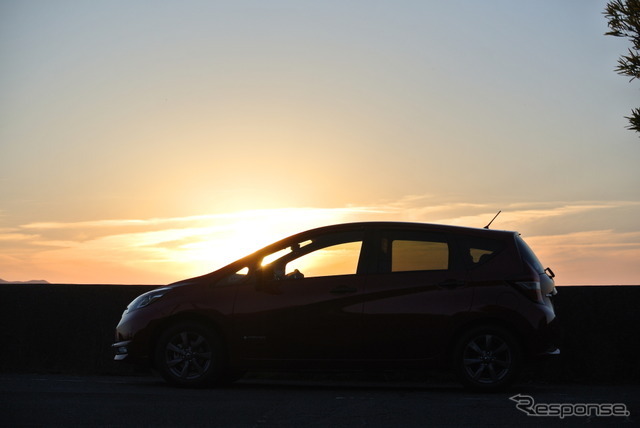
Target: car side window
<point>328,255</point>
<point>418,255</point>
<point>340,259</point>
<point>479,251</point>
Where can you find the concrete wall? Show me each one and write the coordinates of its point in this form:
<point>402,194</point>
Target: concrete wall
<point>61,328</point>
<point>600,334</point>
<point>69,329</point>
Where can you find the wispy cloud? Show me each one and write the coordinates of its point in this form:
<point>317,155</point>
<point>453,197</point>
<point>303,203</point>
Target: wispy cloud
<point>169,248</point>
<point>576,238</point>
<point>15,236</point>
<point>592,257</point>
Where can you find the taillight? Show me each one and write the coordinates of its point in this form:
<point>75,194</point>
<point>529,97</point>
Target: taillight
<point>529,285</point>
<point>531,289</point>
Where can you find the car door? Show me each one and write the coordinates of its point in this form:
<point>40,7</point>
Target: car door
<point>306,303</point>
<point>413,300</point>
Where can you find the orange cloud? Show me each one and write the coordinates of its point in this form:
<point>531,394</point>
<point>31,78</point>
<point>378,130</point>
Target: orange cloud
<point>161,250</point>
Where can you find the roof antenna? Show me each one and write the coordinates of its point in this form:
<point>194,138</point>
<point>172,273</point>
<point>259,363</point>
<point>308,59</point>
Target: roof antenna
<point>494,217</point>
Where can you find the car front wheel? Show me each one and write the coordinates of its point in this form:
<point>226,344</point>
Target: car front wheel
<point>189,354</point>
<point>487,359</point>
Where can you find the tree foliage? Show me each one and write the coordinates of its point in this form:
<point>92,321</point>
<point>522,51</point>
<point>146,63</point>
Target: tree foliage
<point>624,21</point>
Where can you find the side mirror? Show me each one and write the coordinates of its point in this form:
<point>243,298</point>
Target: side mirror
<point>266,281</point>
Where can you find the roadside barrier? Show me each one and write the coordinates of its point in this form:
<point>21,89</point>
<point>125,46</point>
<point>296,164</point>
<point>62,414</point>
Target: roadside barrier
<point>47,328</point>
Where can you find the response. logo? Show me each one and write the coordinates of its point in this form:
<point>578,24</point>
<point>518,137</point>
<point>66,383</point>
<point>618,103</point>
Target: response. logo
<point>526,404</point>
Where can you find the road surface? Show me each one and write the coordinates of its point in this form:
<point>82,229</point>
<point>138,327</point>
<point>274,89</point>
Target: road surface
<point>63,400</point>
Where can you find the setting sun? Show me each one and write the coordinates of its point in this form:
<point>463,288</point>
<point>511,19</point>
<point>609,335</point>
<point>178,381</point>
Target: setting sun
<point>163,250</point>
<point>146,143</point>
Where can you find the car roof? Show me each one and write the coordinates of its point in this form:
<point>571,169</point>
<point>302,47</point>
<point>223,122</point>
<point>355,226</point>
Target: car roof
<point>364,226</point>
<point>398,225</point>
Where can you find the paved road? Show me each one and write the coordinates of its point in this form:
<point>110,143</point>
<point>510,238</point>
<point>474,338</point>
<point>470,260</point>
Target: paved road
<point>62,400</point>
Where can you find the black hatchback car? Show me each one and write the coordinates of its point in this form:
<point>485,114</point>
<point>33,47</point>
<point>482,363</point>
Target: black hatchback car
<point>359,296</point>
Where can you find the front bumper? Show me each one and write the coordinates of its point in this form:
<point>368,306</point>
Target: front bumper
<point>121,350</point>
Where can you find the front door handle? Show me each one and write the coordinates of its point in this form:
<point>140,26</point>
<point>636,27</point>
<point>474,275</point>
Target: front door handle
<point>344,289</point>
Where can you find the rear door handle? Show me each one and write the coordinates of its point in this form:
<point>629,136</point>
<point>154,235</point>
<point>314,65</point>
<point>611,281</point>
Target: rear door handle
<point>344,289</point>
<point>451,283</point>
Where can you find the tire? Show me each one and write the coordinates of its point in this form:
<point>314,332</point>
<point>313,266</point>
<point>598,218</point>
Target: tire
<point>190,355</point>
<point>487,359</point>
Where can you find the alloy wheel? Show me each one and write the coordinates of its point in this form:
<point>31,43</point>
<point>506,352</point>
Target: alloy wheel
<point>487,358</point>
<point>188,356</point>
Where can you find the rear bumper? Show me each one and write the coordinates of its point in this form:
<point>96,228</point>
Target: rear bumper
<point>549,345</point>
<point>551,353</point>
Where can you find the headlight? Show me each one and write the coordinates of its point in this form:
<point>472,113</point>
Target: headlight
<point>146,299</point>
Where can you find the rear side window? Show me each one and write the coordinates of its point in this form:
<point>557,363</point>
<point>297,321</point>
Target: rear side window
<point>478,251</point>
<point>405,251</point>
<point>419,255</point>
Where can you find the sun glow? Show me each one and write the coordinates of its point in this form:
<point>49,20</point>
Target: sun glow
<point>248,231</point>
<point>162,250</point>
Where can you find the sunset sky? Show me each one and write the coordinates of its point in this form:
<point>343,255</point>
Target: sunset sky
<point>143,142</point>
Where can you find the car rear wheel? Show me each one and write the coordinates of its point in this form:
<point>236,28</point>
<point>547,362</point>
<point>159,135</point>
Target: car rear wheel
<point>487,359</point>
<point>189,354</point>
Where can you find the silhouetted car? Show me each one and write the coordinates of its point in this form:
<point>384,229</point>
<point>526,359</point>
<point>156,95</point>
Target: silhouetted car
<point>353,297</point>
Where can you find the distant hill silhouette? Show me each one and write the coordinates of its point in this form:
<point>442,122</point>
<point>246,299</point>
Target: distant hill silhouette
<point>33,281</point>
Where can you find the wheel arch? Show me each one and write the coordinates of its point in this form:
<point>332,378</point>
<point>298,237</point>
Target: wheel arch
<point>487,368</point>
<point>488,322</point>
<point>206,321</point>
